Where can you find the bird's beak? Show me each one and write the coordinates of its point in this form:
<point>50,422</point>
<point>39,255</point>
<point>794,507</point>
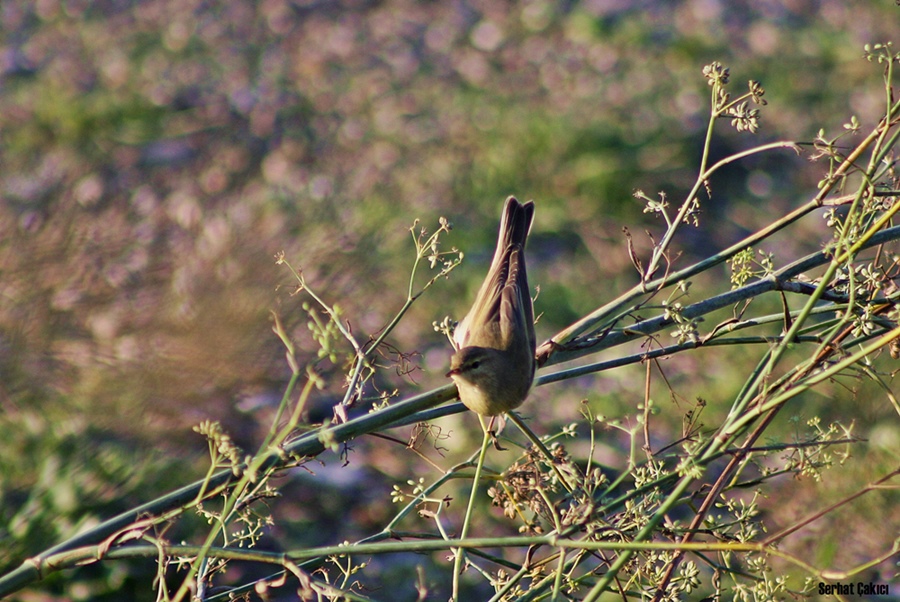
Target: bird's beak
<point>452,373</point>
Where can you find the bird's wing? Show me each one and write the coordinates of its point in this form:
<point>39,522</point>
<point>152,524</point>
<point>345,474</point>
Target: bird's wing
<point>484,318</point>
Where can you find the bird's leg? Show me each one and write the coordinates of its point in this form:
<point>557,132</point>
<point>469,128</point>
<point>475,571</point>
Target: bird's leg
<point>501,422</point>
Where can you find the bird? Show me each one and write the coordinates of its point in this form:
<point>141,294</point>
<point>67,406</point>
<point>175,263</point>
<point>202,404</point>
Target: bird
<point>493,365</point>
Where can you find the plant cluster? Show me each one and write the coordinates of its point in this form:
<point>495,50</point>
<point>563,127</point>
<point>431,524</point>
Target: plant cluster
<point>675,517</point>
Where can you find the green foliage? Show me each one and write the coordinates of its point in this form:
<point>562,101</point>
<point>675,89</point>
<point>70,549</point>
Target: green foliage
<point>157,154</point>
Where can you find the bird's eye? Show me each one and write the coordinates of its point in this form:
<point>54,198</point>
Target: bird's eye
<point>476,363</point>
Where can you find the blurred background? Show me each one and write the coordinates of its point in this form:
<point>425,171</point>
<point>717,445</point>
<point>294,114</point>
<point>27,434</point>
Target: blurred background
<point>157,154</point>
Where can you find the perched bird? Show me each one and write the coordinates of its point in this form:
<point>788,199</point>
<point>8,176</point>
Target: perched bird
<point>493,366</point>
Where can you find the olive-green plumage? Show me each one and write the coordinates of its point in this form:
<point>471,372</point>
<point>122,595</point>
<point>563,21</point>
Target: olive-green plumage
<point>493,367</point>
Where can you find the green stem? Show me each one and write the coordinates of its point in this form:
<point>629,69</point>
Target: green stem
<point>460,552</point>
